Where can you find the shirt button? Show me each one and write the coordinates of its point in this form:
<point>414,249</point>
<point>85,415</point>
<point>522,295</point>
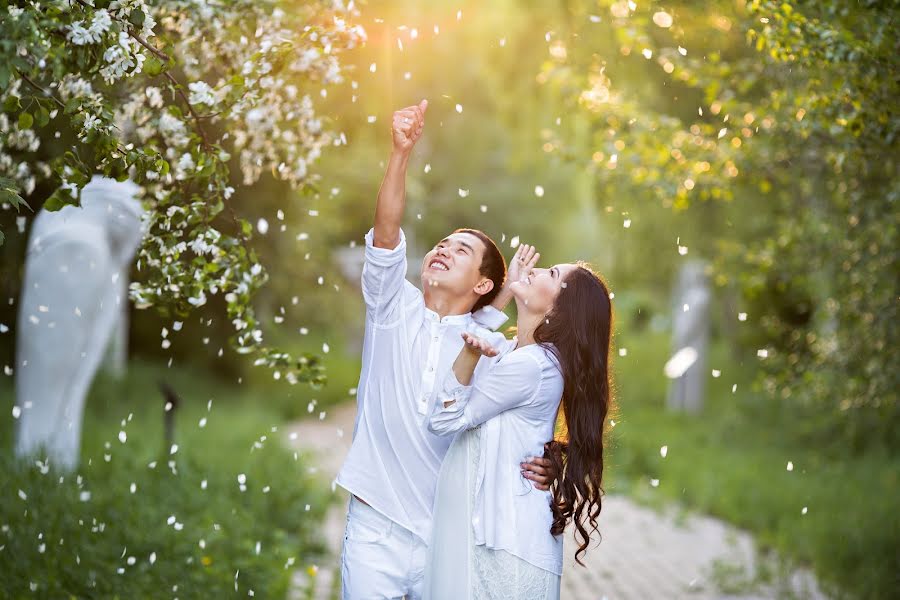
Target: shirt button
<point>431,369</point>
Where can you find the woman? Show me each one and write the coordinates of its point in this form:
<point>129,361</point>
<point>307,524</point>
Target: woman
<point>495,536</point>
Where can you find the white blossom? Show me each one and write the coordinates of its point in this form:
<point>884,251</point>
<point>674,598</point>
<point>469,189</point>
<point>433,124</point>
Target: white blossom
<point>154,97</point>
<point>91,122</point>
<point>201,93</point>
<point>184,167</point>
<point>80,36</point>
<point>100,24</point>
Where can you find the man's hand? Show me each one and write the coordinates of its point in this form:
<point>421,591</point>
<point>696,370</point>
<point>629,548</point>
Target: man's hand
<point>540,471</point>
<point>406,130</point>
<point>407,126</point>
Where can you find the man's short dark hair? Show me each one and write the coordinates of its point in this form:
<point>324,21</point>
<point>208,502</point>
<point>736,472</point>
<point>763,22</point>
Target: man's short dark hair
<point>493,266</point>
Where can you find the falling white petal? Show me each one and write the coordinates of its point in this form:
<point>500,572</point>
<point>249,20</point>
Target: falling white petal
<point>680,362</point>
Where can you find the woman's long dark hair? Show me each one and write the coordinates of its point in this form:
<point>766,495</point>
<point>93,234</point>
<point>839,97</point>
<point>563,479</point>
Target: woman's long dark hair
<point>579,327</point>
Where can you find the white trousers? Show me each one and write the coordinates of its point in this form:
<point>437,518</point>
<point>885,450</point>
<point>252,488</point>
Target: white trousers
<point>381,560</point>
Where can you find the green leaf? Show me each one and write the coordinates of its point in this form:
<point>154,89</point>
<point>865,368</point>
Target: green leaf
<point>42,116</point>
<point>2,237</point>
<point>58,199</point>
<point>11,103</point>
<point>72,105</point>
<point>9,192</point>
<point>162,166</point>
<point>12,197</point>
<point>25,120</point>
<point>153,66</point>
<point>137,18</point>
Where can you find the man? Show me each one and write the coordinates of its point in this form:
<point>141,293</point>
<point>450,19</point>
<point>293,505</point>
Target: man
<point>411,340</point>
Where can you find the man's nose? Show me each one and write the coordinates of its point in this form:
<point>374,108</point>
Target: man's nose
<point>444,251</point>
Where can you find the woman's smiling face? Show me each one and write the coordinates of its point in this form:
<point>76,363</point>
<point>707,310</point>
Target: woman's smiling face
<point>539,290</point>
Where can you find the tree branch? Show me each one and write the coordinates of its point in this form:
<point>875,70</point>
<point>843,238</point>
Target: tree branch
<point>159,53</point>
<point>40,89</point>
<point>187,102</point>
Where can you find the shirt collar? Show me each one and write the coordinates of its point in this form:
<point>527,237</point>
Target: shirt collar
<point>463,319</point>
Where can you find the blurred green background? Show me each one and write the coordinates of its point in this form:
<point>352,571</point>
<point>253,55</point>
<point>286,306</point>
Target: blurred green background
<point>759,137</point>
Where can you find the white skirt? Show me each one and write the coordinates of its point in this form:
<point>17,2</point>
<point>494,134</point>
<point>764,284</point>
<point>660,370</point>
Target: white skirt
<point>457,568</point>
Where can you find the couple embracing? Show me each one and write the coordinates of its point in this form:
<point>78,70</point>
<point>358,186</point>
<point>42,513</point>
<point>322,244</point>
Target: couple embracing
<point>458,489</point>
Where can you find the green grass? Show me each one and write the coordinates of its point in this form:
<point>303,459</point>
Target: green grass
<point>731,461</point>
<point>63,543</point>
<point>342,365</point>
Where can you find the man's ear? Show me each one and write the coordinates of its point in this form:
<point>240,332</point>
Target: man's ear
<point>484,287</point>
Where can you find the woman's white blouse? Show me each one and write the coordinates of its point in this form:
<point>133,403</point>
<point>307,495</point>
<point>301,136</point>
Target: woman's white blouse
<point>516,397</point>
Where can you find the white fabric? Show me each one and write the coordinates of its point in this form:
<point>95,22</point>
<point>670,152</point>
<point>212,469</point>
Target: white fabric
<point>380,559</point>
<point>76,269</point>
<point>394,461</point>
<point>457,568</point>
<point>516,396</point>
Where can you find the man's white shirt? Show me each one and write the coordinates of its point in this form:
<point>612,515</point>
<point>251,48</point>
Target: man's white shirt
<point>394,461</point>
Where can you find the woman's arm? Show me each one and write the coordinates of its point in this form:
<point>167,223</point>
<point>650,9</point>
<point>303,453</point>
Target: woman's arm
<point>473,349</point>
<point>513,381</point>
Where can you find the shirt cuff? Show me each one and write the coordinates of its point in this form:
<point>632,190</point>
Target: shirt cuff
<point>454,390</point>
<point>384,257</point>
<point>489,317</point>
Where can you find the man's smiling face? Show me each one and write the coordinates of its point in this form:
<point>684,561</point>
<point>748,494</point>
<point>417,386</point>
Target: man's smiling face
<point>454,263</point>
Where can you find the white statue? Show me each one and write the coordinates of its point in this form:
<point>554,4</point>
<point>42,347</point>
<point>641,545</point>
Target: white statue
<point>690,339</point>
<point>73,297</point>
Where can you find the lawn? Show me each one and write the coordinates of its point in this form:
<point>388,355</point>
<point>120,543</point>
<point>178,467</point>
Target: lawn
<point>89,534</point>
<point>740,460</point>
<point>226,508</point>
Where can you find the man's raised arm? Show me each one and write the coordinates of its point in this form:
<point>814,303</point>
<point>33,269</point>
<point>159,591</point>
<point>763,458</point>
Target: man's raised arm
<point>406,129</point>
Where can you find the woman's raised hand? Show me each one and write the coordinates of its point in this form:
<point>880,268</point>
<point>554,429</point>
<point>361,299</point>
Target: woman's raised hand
<point>523,261</point>
<point>477,345</point>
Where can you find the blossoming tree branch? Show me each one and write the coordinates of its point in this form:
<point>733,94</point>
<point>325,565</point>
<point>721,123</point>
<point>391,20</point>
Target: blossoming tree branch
<point>173,95</point>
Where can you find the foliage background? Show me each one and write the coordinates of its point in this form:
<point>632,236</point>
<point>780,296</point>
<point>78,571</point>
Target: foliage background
<point>760,137</point>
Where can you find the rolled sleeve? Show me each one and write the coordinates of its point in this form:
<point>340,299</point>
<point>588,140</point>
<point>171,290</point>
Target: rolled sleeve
<point>511,382</point>
<point>489,317</point>
<point>449,419</point>
<point>384,257</point>
<point>383,277</point>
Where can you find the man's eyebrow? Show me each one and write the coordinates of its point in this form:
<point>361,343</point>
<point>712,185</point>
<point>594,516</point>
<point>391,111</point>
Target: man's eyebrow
<point>471,249</point>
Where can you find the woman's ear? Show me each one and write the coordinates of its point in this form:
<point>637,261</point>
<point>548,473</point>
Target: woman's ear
<point>484,286</point>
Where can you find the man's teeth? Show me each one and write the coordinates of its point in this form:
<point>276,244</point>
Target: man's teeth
<point>437,265</point>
